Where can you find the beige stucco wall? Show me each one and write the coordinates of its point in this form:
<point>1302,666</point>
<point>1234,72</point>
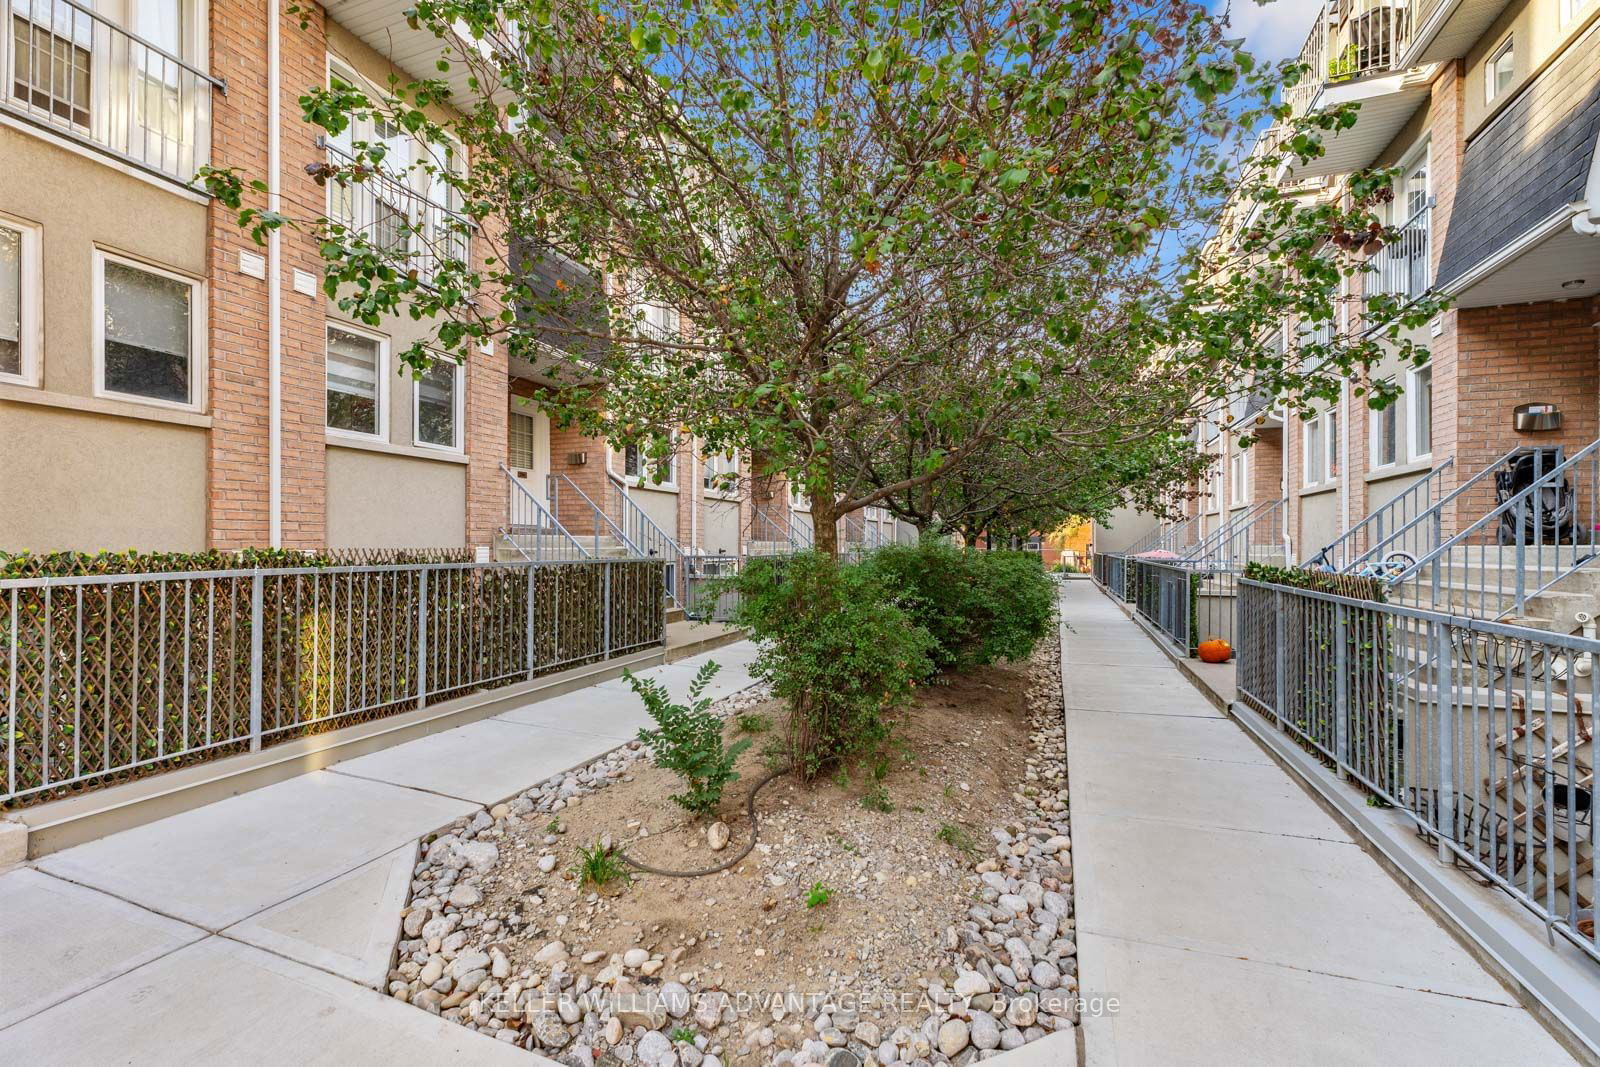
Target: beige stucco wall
<point>1319,520</point>
<point>87,482</point>
<point>1122,529</point>
<point>661,505</point>
<point>721,533</point>
<point>81,203</point>
<point>1540,36</point>
<point>376,500</point>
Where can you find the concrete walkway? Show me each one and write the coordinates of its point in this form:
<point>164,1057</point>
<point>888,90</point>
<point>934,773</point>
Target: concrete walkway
<point>1233,919</point>
<point>259,929</point>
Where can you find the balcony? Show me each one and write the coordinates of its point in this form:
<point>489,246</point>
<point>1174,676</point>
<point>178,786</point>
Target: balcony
<point>567,304</point>
<point>66,69</point>
<point>1402,268</point>
<point>1446,29</point>
<point>1353,55</point>
<point>397,219</point>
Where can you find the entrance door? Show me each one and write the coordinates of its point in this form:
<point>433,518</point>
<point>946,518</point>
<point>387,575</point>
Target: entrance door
<point>530,452</point>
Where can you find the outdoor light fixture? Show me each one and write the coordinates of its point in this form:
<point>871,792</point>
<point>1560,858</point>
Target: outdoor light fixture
<point>577,459</point>
<point>1574,283</point>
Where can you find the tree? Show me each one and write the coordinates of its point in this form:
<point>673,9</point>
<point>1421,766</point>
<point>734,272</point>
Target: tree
<point>875,245</point>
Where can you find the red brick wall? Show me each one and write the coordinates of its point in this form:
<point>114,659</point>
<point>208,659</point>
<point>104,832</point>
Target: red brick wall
<point>487,413</point>
<point>238,376</point>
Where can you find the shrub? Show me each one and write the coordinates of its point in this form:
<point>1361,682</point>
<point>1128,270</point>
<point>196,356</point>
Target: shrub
<point>688,740</point>
<point>979,606</point>
<point>836,647</point>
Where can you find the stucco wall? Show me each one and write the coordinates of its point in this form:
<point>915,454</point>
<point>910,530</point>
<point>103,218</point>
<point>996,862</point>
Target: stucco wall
<point>661,505</point>
<point>1125,526</point>
<point>721,532</point>
<point>1319,520</point>
<point>87,482</point>
<point>390,501</point>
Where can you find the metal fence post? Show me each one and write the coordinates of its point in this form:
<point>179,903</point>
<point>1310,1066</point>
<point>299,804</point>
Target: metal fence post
<point>1278,664</point>
<point>605,610</point>
<point>532,652</point>
<point>1444,813</point>
<point>1341,692</point>
<point>422,638</point>
<point>257,624</point>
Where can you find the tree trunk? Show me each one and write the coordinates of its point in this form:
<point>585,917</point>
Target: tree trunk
<point>825,518</point>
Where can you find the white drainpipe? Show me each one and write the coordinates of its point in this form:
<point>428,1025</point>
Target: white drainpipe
<point>274,290</point>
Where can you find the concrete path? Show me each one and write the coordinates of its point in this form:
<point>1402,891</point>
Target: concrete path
<point>1233,919</point>
<point>259,929</point>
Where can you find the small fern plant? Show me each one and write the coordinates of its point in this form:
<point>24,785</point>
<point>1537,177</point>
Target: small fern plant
<point>688,741</point>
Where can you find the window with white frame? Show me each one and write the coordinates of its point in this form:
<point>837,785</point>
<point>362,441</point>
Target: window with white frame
<point>1314,451</point>
<point>19,302</point>
<point>720,472</point>
<point>1498,69</point>
<point>149,333</point>
<point>357,382</point>
<point>1570,9</point>
<point>1237,488</point>
<point>636,464</point>
<point>436,406</point>
<point>1419,398</point>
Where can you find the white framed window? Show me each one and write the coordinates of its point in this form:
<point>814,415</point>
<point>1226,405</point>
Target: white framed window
<point>719,474</point>
<point>1385,445</point>
<point>1498,70</point>
<point>798,501</point>
<point>358,383</point>
<point>1237,471</point>
<point>149,327</point>
<point>1570,9</point>
<point>436,406</point>
<point>638,469</point>
<point>1419,411</point>
<point>21,302</point>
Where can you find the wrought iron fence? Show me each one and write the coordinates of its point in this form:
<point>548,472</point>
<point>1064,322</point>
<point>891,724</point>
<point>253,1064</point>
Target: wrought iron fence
<point>71,70</point>
<point>1350,40</point>
<point>1480,732</point>
<point>108,676</point>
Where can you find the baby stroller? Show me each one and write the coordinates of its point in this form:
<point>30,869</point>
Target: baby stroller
<point>1549,516</point>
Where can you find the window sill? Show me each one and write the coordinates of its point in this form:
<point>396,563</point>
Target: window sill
<point>102,405</point>
<point>336,440</point>
<point>1399,470</point>
<point>1320,488</point>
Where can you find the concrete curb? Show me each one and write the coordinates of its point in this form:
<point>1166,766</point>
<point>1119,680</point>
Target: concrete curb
<point>1556,982</point>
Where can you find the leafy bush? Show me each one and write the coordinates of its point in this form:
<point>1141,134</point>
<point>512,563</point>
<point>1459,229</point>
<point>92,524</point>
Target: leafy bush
<point>979,606</point>
<point>688,740</point>
<point>836,647</point>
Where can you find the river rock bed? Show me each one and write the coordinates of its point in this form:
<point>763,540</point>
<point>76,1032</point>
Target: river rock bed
<point>948,935</point>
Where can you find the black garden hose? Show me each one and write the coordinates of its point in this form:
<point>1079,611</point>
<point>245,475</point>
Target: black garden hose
<point>750,812</point>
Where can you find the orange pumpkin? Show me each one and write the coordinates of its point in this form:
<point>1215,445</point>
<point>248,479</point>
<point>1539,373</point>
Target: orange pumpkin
<point>1215,650</point>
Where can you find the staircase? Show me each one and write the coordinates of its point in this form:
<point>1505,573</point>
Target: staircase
<point>531,533</point>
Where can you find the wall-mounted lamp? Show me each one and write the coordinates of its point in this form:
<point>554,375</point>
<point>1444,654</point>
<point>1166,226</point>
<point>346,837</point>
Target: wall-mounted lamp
<point>577,459</point>
<point>1574,283</point>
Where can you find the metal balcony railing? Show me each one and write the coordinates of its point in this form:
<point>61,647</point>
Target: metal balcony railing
<point>70,70</point>
<point>397,219</point>
<point>1351,40</point>
<point>1402,268</point>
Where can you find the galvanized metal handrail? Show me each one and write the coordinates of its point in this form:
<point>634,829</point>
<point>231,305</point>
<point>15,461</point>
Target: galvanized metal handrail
<point>1351,40</point>
<point>765,530</point>
<point>1430,523</point>
<point>1219,547</point>
<point>1479,732</point>
<point>102,676</point>
<point>1386,515</point>
<point>1527,507</point>
<point>1404,264</point>
<point>649,539</point>
<point>599,521</point>
<point>530,518</point>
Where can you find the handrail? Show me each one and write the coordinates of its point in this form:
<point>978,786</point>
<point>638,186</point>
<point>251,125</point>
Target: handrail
<point>1228,530</point>
<point>557,480</point>
<point>1378,516</point>
<point>649,539</point>
<point>1518,502</point>
<point>27,6</point>
<point>785,530</point>
<point>1434,512</point>
<point>547,521</point>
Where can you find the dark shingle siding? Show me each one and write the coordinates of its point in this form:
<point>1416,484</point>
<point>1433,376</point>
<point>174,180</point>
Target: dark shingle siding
<point>1530,161</point>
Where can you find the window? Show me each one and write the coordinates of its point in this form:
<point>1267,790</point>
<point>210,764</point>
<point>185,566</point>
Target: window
<point>1314,451</point>
<point>19,303</point>
<point>356,382</point>
<point>636,464</point>
<point>1497,71</point>
<point>1420,394</point>
<point>149,324</point>
<point>52,60</point>
<point>1570,9</point>
<point>437,406</point>
<point>521,440</point>
<point>1236,476</point>
<point>720,473</point>
<point>659,322</point>
<point>158,91</point>
<point>1331,417</point>
<point>1385,435</point>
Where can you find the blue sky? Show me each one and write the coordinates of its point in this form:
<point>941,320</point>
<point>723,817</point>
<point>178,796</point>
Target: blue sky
<point>1272,31</point>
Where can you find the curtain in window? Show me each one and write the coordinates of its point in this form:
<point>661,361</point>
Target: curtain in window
<point>147,333</point>
<point>352,382</point>
<point>10,301</point>
<point>436,404</point>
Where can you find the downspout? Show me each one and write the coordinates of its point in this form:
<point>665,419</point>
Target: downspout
<point>1347,427</point>
<point>274,288</point>
<point>1287,526</point>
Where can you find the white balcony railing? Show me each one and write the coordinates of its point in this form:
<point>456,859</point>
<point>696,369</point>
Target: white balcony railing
<point>397,219</point>
<point>67,69</point>
<point>1351,40</point>
<point>1403,267</point>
